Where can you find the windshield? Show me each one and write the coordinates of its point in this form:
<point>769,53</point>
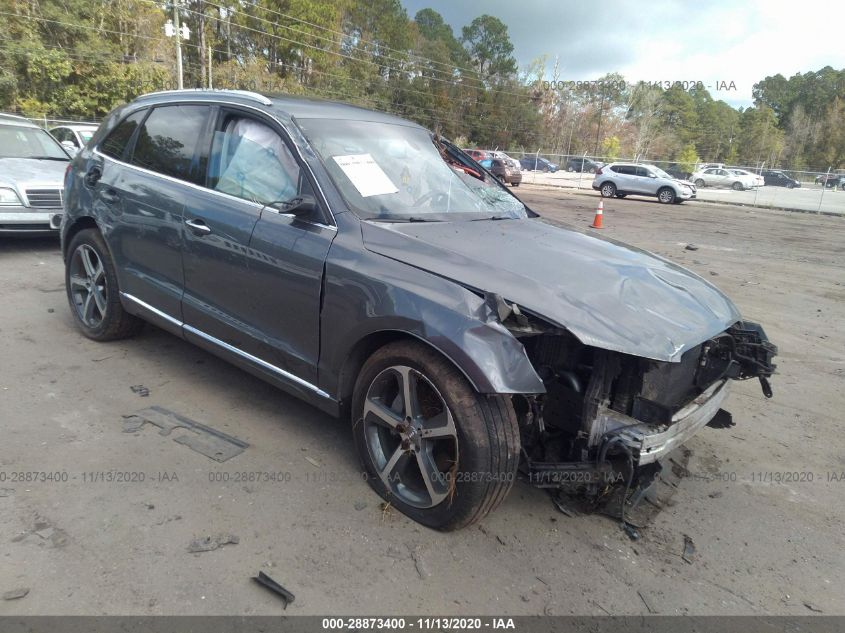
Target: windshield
<point>25,142</point>
<point>660,173</point>
<point>398,173</point>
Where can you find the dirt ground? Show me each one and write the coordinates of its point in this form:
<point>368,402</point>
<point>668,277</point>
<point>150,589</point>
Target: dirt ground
<point>763,502</point>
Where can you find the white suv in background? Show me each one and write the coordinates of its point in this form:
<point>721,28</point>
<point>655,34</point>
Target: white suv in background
<point>622,179</point>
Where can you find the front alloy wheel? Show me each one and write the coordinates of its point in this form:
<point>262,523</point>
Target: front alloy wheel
<point>411,436</point>
<point>608,190</point>
<point>430,445</point>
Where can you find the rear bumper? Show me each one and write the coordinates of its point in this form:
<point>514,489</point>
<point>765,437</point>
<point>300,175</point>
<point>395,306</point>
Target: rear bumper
<point>26,220</point>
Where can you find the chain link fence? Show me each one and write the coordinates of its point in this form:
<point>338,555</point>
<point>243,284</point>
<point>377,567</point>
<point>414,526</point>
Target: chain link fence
<point>807,191</point>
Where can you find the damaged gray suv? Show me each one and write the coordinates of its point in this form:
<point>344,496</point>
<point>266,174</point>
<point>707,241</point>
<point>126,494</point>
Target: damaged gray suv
<point>370,267</point>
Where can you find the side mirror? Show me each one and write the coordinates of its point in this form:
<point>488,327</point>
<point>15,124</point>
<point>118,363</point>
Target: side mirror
<point>299,206</point>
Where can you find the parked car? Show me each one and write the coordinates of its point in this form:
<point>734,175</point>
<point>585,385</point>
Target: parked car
<point>777,178</point>
<point>623,179</point>
<point>676,171</point>
<point>74,136</point>
<point>831,181</point>
<point>538,163</point>
<point>502,169</point>
<point>583,165</point>
<point>32,169</point>
<point>337,253</point>
<point>757,179</point>
<point>478,154</point>
<point>718,177</point>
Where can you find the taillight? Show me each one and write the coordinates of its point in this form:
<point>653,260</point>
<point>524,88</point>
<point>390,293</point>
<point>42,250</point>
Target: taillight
<point>598,172</point>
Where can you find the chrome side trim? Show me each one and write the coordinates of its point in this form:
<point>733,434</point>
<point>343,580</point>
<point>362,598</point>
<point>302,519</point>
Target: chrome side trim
<point>257,361</point>
<point>147,306</point>
<point>230,348</point>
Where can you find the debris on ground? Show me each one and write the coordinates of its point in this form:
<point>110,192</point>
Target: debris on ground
<point>631,531</point>
<point>420,563</point>
<point>313,462</point>
<point>648,604</point>
<point>812,607</point>
<point>141,390</point>
<point>691,247</point>
<point>689,550</point>
<point>204,440</point>
<point>265,581</point>
<point>16,594</point>
<point>360,505</point>
<point>210,543</point>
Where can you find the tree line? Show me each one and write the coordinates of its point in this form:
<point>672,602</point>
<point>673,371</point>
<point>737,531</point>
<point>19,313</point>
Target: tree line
<point>81,58</point>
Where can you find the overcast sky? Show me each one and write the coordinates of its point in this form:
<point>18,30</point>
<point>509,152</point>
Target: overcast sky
<point>706,40</point>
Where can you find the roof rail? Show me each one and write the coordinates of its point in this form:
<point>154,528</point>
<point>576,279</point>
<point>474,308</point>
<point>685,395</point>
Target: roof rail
<point>187,91</point>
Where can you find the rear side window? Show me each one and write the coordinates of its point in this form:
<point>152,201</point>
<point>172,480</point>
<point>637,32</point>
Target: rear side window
<point>167,142</point>
<point>116,142</point>
<point>625,169</point>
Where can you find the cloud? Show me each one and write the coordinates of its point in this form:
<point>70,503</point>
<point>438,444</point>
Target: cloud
<point>704,41</point>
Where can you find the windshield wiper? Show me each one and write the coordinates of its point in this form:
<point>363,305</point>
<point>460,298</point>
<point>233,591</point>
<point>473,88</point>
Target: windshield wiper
<point>493,217</point>
<point>48,158</point>
<point>410,219</point>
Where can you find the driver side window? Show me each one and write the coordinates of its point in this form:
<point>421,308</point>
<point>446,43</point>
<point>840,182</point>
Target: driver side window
<point>250,160</point>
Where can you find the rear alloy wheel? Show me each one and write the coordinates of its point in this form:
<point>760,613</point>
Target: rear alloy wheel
<point>790,185</point>
<point>92,290</point>
<point>699,183</point>
<point>608,190</point>
<point>737,186</point>
<point>666,195</point>
<point>430,445</point>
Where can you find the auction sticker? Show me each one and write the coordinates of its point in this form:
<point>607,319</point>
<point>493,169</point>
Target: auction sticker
<point>364,172</point>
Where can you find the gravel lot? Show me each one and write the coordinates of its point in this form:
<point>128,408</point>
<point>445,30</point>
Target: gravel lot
<point>83,546</point>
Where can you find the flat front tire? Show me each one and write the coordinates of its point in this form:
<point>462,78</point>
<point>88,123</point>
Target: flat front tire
<point>431,446</point>
<point>92,290</point>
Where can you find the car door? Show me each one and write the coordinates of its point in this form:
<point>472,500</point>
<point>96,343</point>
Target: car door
<point>646,181</point>
<point>149,198</point>
<point>253,273</point>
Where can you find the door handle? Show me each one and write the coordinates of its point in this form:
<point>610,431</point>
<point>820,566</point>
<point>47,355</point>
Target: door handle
<point>198,227</point>
<point>109,196</point>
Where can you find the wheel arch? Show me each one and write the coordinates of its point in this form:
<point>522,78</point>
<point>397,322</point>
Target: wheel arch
<point>79,224</point>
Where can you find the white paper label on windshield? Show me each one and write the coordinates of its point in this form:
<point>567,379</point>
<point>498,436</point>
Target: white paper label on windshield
<point>369,179</point>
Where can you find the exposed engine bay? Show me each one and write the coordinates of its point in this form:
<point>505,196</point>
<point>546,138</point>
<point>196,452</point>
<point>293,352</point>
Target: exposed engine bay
<point>607,418</point>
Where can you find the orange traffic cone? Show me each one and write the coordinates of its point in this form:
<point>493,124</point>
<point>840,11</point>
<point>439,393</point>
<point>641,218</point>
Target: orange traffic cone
<point>597,223</point>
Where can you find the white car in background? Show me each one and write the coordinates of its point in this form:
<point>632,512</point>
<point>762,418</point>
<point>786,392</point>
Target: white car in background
<point>720,177</point>
<point>623,179</point>
<point>759,181</point>
<point>73,137</point>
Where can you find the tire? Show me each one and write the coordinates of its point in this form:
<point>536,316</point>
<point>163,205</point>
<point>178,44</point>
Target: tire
<point>608,190</point>
<point>737,186</point>
<point>515,184</point>
<point>570,169</point>
<point>93,292</point>
<point>666,195</point>
<point>482,446</point>
<point>699,183</point>
<point>621,195</point>
<point>789,185</point>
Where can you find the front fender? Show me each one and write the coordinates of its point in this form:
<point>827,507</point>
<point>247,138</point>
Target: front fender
<point>366,294</point>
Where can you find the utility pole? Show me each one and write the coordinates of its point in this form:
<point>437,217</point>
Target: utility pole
<point>178,43</point>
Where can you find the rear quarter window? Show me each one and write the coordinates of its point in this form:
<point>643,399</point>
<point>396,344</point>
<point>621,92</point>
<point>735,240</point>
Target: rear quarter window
<point>167,142</point>
<point>116,142</point>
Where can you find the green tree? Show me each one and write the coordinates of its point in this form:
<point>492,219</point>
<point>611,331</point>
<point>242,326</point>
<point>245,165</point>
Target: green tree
<point>489,46</point>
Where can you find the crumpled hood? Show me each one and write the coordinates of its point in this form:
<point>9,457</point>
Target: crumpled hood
<point>608,294</point>
<point>20,171</point>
